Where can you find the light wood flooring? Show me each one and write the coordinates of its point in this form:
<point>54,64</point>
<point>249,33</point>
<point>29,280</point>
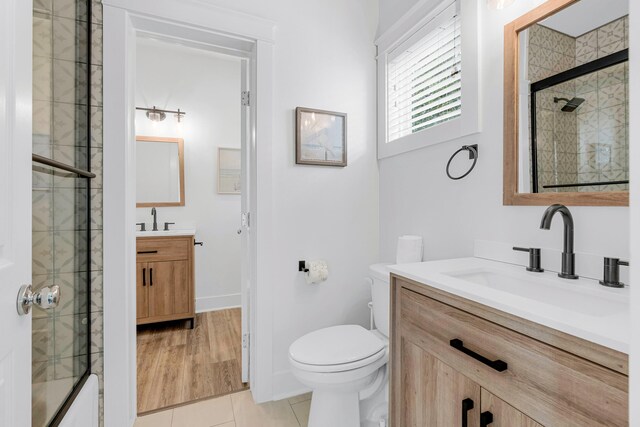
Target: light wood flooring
<point>178,365</point>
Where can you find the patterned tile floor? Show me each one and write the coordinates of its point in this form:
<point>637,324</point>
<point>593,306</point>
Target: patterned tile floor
<point>234,410</point>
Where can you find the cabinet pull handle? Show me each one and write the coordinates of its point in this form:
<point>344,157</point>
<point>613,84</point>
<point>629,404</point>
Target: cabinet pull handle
<point>147,252</point>
<point>144,277</point>
<point>151,277</point>
<point>467,405</point>
<point>498,365</point>
<point>486,418</point>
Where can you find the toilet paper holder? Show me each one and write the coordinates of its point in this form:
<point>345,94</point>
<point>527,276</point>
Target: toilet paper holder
<point>302,266</point>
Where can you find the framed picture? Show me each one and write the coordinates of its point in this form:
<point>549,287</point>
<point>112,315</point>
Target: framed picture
<point>229,168</point>
<point>321,137</point>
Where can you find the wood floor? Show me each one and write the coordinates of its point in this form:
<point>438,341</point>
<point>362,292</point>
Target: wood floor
<point>177,365</point>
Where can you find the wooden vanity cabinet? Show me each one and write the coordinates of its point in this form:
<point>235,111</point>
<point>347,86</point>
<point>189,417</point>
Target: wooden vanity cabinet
<point>459,363</point>
<point>165,285</point>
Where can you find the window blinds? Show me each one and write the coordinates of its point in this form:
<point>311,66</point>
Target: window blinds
<point>424,79</point>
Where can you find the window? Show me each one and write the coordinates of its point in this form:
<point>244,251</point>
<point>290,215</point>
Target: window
<point>424,80</point>
<point>428,79</point>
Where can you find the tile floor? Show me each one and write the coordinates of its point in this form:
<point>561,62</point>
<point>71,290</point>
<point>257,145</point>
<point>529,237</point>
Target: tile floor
<point>234,410</point>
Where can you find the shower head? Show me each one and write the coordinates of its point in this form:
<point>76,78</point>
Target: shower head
<point>571,104</point>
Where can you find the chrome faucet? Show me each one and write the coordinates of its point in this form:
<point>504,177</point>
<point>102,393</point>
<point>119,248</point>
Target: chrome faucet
<point>568,257</point>
<point>155,219</point>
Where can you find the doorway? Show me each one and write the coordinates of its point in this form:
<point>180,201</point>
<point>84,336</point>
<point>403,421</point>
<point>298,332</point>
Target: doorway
<point>189,130</point>
<point>232,33</point>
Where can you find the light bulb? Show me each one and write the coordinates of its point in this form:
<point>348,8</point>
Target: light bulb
<point>499,4</point>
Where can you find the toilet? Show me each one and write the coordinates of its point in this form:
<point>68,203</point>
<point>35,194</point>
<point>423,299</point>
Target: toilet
<point>346,366</point>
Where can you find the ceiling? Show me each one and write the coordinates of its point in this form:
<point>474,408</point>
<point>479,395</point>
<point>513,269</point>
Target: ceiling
<point>586,15</point>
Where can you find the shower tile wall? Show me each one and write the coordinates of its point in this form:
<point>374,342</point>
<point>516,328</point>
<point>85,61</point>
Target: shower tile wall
<point>591,144</point>
<point>59,209</point>
<point>550,53</point>
<point>603,117</point>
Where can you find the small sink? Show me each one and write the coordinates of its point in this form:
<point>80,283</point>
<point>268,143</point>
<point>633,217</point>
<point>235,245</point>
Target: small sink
<point>569,295</point>
<point>159,233</point>
<point>581,307</point>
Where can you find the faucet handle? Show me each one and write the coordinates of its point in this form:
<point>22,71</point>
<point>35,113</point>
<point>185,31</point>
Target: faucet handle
<point>534,258</point>
<point>167,224</point>
<point>143,226</point>
<point>612,272</point>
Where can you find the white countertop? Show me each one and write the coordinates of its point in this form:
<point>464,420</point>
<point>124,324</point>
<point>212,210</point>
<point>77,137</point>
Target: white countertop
<point>170,233</point>
<point>582,308</point>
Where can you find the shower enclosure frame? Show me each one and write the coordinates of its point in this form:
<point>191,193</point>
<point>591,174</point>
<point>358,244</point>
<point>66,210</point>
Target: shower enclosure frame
<point>87,175</point>
<point>565,76</point>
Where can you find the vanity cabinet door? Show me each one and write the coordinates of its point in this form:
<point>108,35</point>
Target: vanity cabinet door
<point>434,394</point>
<point>169,288</point>
<point>142,290</point>
<point>503,414</point>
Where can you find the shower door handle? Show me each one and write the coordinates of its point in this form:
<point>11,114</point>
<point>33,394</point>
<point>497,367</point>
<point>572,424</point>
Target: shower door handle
<point>46,298</point>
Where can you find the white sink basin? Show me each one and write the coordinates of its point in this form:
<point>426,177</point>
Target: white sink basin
<point>544,289</point>
<point>160,233</point>
<point>581,307</point>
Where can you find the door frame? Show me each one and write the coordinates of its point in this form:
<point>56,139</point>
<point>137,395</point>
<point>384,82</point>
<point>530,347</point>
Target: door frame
<point>193,22</point>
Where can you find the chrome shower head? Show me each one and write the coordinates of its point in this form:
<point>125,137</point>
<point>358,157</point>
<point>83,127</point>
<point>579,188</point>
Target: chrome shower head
<point>571,104</point>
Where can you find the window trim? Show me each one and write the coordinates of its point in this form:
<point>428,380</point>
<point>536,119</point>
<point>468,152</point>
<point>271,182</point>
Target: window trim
<point>405,29</point>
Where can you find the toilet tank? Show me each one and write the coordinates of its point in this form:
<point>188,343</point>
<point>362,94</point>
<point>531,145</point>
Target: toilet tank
<point>379,274</point>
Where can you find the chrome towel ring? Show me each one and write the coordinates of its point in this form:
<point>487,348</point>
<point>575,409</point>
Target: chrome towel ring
<point>473,154</point>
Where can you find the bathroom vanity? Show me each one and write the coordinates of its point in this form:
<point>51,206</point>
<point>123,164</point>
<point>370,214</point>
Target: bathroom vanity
<point>165,285</point>
<point>483,343</point>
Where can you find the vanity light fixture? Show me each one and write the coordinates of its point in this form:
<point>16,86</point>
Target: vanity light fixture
<point>499,4</point>
<point>157,115</point>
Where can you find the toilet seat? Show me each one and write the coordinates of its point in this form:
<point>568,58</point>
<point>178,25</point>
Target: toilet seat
<point>336,349</point>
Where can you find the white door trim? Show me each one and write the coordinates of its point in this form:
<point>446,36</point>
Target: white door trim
<point>194,21</point>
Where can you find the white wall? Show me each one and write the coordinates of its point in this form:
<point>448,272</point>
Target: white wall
<point>391,11</point>
<point>416,196</point>
<point>207,86</point>
<point>634,165</point>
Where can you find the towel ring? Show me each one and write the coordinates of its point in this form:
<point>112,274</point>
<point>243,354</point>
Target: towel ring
<point>473,154</point>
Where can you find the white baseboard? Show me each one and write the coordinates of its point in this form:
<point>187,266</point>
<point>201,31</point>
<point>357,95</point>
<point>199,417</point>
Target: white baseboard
<point>218,302</point>
<point>285,385</point>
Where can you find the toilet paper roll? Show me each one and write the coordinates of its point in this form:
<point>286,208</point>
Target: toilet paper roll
<point>318,271</point>
<point>409,249</point>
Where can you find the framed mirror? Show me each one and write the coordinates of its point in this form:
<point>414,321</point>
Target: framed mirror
<point>566,93</point>
<point>159,171</point>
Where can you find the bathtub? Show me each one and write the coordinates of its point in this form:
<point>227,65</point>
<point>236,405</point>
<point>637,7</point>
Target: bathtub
<point>84,409</point>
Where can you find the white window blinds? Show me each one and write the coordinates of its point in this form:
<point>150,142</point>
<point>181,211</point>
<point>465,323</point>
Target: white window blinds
<point>424,77</point>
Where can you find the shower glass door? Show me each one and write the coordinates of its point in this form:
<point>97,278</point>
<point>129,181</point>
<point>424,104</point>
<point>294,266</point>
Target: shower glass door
<point>61,211</point>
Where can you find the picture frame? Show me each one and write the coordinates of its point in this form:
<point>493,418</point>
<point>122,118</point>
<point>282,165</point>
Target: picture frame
<point>321,137</point>
<point>229,170</point>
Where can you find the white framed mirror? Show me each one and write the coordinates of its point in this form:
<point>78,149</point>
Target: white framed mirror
<point>159,171</point>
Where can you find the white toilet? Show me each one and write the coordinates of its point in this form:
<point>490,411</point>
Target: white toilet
<point>346,366</point>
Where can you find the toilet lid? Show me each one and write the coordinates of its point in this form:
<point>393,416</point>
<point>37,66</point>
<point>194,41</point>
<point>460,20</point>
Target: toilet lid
<point>336,345</point>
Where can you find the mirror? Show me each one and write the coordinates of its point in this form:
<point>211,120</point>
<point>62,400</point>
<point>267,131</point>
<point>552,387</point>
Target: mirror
<point>566,104</point>
<point>159,171</point>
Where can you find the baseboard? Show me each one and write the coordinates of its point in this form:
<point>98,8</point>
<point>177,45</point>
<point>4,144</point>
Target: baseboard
<point>285,385</point>
<point>218,302</point>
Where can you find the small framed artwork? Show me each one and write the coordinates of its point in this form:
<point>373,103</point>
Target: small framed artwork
<point>321,137</point>
<point>229,168</point>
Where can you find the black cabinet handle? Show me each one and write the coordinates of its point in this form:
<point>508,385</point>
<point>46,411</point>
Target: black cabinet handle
<point>151,277</point>
<point>467,405</point>
<point>486,418</point>
<point>147,252</point>
<point>498,365</point>
<point>198,243</point>
<point>144,277</point>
